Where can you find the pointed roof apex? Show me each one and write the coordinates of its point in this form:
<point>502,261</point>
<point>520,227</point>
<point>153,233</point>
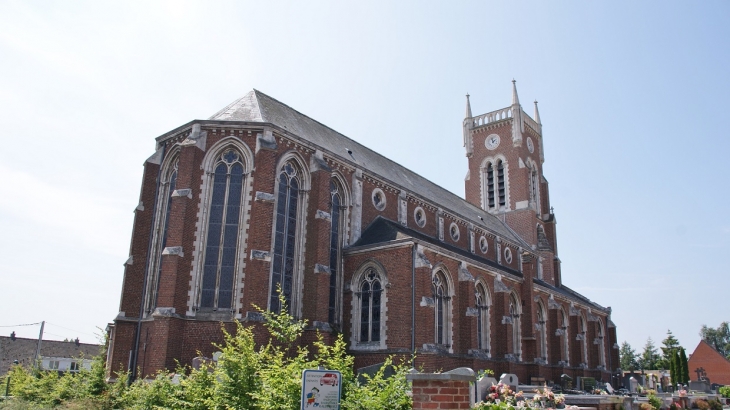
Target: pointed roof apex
<point>515,99</point>
<point>468,107</point>
<point>537,114</point>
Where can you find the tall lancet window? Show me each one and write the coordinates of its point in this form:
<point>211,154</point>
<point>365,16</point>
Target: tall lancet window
<point>370,292</point>
<point>490,185</point>
<point>335,242</point>
<point>441,299</point>
<point>534,187</point>
<point>583,346</point>
<point>287,211</point>
<point>164,204</point>
<point>515,313</point>
<point>542,332</point>
<point>221,243</point>
<point>601,345</point>
<point>482,306</point>
<point>564,339</point>
<point>500,184</point>
<point>494,184</point>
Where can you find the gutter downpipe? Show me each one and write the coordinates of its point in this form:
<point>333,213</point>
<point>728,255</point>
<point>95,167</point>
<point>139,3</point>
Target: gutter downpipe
<point>135,351</point>
<point>413,299</point>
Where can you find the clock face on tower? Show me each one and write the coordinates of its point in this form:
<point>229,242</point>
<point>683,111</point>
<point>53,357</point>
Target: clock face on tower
<point>530,146</point>
<point>492,141</point>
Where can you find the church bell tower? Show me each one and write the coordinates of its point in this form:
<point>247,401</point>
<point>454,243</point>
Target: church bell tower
<point>505,154</point>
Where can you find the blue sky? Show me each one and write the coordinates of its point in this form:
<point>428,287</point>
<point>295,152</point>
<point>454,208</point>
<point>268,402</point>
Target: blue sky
<point>633,98</point>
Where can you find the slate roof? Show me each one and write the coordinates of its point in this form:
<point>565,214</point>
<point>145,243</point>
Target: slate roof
<point>259,107</point>
<point>570,293</point>
<point>383,230</point>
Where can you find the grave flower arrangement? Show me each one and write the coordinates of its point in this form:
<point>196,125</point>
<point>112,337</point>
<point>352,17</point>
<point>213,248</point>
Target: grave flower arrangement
<point>502,397</point>
<point>546,399</point>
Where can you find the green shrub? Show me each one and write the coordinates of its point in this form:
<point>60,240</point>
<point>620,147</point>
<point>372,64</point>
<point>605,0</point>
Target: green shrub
<point>655,402</point>
<point>245,377</point>
<point>725,391</point>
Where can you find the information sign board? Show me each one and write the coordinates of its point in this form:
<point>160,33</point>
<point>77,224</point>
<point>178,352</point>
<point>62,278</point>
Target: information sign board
<point>321,389</point>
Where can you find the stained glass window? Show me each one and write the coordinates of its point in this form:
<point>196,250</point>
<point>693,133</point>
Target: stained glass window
<point>334,251</point>
<point>441,304</point>
<point>482,307</point>
<point>220,252</point>
<point>287,206</point>
<point>370,299</point>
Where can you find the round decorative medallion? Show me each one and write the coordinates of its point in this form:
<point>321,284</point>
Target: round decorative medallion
<point>454,231</point>
<point>508,255</point>
<point>378,199</point>
<point>419,216</point>
<point>483,244</point>
<point>492,141</point>
<point>530,145</point>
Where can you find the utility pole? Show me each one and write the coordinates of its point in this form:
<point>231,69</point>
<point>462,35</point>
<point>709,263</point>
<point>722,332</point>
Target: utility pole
<point>38,351</point>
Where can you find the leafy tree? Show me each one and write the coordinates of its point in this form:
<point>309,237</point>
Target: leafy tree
<point>627,357</point>
<point>718,338</point>
<point>649,357</point>
<point>670,344</point>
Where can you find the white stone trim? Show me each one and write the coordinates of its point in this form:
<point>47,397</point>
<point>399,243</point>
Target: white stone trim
<point>164,196</point>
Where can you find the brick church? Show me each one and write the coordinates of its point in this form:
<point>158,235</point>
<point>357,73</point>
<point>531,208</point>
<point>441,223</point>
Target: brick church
<point>260,197</point>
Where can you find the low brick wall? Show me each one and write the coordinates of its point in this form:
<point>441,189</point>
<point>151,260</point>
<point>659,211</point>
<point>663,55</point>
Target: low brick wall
<point>450,390</point>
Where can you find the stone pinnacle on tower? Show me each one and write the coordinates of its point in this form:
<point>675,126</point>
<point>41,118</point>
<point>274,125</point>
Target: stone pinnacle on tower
<point>537,114</point>
<point>467,125</point>
<point>468,107</point>
<point>517,124</point>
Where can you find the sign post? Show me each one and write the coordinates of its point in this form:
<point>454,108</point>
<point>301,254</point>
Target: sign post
<point>321,389</point>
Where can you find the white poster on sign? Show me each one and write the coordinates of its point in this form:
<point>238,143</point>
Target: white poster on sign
<point>321,389</point>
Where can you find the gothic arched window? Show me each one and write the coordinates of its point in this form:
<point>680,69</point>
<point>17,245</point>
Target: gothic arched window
<point>335,244</point>
<point>515,313</point>
<point>564,340</point>
<point>284,260</point>
<point>442,301</point>
<point>494,184</point>
<point>482,306</point>
<point>370,291</point>
<point>168,184</point>
<point>542,332</point>
<point>534,186</point>
<point>601,344</point>
<point>223,229</point>
<point>582,333</point>
<point>490,185</point>
<point>501,184</point>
